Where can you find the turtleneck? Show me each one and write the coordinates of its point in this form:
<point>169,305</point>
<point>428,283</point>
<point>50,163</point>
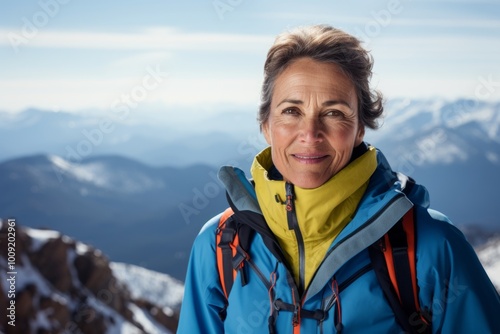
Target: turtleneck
<point>321,212</point>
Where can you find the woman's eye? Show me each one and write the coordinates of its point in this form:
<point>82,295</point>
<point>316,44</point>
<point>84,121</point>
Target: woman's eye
<point>290,111</point>
<point>335,113</point>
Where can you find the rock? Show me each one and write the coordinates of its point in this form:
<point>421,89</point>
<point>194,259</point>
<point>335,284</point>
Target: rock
<point>62,290</point>
<point>51,260</point>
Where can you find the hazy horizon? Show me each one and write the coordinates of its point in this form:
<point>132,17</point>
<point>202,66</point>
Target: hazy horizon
<point>207,56</point>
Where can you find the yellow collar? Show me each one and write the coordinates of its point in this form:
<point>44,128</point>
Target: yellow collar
<point>321,212</point>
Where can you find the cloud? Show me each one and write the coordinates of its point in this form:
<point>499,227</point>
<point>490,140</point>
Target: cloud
<point>78,94</point>
<point>393,19</point>
<point>143,59</point>
<point>148,39</point>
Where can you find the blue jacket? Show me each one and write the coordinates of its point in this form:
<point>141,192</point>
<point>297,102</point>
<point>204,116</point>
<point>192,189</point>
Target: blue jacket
<point>453,284</point>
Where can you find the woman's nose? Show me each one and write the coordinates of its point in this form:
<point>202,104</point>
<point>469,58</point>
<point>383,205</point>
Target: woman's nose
<point>311,130</point>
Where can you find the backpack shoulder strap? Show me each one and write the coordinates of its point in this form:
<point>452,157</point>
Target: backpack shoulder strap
<point>226,243</point>
<point>394,263</point>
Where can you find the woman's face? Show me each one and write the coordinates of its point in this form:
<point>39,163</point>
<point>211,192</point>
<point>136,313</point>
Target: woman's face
<point>313,122</point>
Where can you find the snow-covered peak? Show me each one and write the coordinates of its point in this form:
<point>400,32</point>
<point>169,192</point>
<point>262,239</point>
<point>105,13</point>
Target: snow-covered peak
<point>158,288</point>
<point>94,173</point>
<point>103,174</point>
<point>40,237</point>
<point>68,286</point>
<point>406,117</point>
<point>430,132</point>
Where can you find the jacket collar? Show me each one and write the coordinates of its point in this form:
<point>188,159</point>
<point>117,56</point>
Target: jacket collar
<point>381,206</point>
<point>323,211</point>
<point>382,186</point>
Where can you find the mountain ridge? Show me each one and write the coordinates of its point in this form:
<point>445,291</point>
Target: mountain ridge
<point>100,206</point>
<point>450,147</point>
<point>56,284</point>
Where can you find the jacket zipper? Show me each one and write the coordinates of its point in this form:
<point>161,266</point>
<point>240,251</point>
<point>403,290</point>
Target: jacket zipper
<point>293,224</point>
<point>362,226</point>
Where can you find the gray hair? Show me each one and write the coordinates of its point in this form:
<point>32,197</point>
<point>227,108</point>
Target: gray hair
<point>325,44</point>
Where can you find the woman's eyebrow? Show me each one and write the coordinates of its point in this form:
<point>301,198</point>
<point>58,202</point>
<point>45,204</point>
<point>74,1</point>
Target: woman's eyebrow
<point>292,101</point>
<point>334,102</point>
<point>324,104</point>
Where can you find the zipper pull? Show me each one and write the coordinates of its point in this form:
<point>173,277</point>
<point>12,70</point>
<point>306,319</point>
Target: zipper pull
<point>296,319</point>
<point>381,245</point>
<point>289,197</point>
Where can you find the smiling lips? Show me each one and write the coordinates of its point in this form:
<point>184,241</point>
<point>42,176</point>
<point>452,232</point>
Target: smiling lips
<point>310,158</point>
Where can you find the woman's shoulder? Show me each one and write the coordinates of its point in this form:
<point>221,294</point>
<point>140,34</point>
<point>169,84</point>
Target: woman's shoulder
<point>433,224</point>
<point>206,237</point>
<point>438,239</point>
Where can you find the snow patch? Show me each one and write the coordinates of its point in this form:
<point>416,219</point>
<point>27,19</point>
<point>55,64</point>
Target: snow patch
<point>71,256</point>
<point>41,320</point>
<point>157,288</point>
<point>26,274</point>
<point>148,323</point>
<point>101,175</point>
<point>40,237</point>
<point>94,173</point>
<point>489,255</point>
<point>82,248</point>
<point>447,153</point>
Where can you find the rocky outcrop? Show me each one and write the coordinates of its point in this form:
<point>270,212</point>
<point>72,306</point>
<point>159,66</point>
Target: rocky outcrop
<point>59,285</point>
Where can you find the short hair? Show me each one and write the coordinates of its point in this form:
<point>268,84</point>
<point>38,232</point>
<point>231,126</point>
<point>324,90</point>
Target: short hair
<point>325,44</point>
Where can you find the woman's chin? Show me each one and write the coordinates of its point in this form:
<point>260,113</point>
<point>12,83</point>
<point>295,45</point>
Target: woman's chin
<point>308,182</point>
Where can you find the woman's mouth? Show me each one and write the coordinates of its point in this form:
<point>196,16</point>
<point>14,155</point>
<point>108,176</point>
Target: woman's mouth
<point>309,158</point>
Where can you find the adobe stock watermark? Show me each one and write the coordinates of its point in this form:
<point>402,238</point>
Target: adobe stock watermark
<point>449,295</point>
<point>203,195</point>
<point>424,151</point>
<point>84,314</point>
<point>486,87</point>
<point>221,7</point>
<point>32,25</point>
<point>120,111</point>
<point>380,19</point>
<point>254,319</point>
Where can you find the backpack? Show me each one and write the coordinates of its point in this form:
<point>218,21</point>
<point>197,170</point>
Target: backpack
<point>393,260</point>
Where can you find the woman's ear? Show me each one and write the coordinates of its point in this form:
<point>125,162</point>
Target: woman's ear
<point>360,135</point>
<point>266,132</point>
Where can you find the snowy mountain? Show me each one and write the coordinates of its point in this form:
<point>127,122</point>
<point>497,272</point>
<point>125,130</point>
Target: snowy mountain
<point>489,255</point>
<point>406,117</point>
<point>50,283</point>
<point>451,147</point>
<point>429,132</point>
<point>59,285</point>
<point>157,288</point>
<point>105,201</point>
<point>153,137</point>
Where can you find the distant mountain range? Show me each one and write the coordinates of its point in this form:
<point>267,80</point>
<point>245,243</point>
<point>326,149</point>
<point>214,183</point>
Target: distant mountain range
<point>135,213</point>
<point>139,212</point>
<point>453,148</point>
<point>152,138</point>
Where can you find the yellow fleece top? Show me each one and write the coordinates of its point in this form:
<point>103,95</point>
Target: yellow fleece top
<point>321,212</point>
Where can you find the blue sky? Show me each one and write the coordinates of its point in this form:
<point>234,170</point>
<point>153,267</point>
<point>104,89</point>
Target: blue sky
<point>77,55</point>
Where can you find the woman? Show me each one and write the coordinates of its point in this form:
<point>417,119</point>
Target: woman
<point>320,197</point>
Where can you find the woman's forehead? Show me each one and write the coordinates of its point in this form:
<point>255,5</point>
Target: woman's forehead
<point>306,77</point>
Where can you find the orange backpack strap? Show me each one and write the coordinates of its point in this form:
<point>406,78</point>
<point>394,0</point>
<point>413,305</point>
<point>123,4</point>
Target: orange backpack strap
<point>395,268</point>
<point>226,244</point>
